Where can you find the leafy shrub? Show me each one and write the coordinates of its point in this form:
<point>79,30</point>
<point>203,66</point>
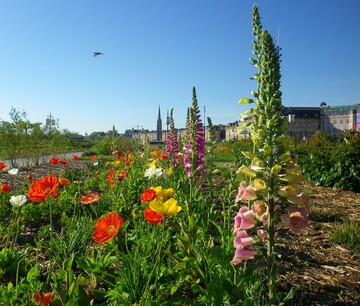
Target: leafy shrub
<point>112,143</point>
<point>329,163</point>
<point>12,263</point>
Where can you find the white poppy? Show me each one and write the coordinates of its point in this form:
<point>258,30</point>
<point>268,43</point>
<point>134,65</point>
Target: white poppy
<point>152,171</point>
<point>18,201</point>
<point>13,171</point>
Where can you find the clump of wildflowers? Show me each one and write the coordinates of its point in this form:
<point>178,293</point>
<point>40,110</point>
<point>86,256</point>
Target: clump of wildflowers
<point>161,201</point>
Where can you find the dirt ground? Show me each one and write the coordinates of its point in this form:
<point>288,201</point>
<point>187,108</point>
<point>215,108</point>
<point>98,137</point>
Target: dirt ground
<point>325,272</point>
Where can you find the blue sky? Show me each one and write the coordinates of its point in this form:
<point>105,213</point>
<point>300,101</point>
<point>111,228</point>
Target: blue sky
<point>157,50</point>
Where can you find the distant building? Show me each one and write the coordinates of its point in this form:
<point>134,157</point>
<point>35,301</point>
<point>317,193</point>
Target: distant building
<point>303,122</point>
<point>336,119</point>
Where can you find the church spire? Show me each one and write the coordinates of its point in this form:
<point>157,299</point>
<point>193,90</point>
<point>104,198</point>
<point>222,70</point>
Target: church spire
<point>159,127</point>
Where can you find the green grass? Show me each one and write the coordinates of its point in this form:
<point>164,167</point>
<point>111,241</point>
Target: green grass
<point>348,235</point>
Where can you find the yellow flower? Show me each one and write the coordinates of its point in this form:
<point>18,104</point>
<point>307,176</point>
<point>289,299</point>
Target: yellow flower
<point>258,185</point>
<point>167,208</point>
<point>163,194</point>
<point>247,171</point>
<point>169,171</point>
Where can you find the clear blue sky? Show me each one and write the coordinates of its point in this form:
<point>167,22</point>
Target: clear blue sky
<point>157,50</point>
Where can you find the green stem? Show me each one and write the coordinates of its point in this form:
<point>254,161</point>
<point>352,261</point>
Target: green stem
<point>271,260</point>
<point>158,256</point>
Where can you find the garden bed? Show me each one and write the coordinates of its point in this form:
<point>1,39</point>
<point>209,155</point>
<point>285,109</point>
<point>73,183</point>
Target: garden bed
<point>325,272</point>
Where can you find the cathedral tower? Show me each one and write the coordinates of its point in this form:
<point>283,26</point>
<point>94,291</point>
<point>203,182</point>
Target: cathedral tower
<point>159,127</point>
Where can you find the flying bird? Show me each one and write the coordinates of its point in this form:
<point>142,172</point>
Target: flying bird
<point>98,53</point>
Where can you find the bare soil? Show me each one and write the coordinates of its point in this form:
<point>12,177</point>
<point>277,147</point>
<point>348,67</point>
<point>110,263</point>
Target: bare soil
<point>325,273</point>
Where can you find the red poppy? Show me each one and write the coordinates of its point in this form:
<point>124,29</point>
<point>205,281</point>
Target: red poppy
<point>30,177</point>
<point>93,157</point>
<point>90,198</point>
<point>64,181</point>
<point>55,195</point>
<point>45,301</point>
<point>54,161</point>
<point>6,188</point>
<point>41,189</point>
<point>163,156</point>
<point>63,162</point>
<point>2,165</point>
<point>107,227</point>
<point>122,175</point>
<point>148,195</point>
<point>75,157</point>
<point>152,217</point>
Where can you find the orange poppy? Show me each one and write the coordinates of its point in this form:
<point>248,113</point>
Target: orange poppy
<point>63,162</point>
<point>6,188</point>
<point>163,156</point>
<point>121,176</point>
<point>54,161</point>
<point>107,227</point>
<point>90,198</point>
<point>2,165</point>
<point>41,189</point>
<point>148,195</point>
<point>93,157</point>
<point>152,217</point>
<point>64,181</point>
<point>45,301</point>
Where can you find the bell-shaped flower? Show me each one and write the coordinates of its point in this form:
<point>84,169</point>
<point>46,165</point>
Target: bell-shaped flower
<point>276,169</point>
<point>299,199</point>
<point>285,157</point>
<point>292,178</point>
<point>287,191</point>
<point>244,219</point>
<point>242,240</point>
<point>246,171</point>
<point>241,255</point>
<point>260,210</point>
<point>258,185</point>
<point>292,168</point>
<point>296,219</point>
<point>245,193</point>
<point>248,155</point>
<point>18,201</point>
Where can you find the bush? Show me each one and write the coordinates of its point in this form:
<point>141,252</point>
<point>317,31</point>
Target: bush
<point>329,163</point>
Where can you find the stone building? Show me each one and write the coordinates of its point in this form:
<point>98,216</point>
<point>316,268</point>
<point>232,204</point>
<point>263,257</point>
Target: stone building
<point>303,122</point>
<point>336,119</point>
